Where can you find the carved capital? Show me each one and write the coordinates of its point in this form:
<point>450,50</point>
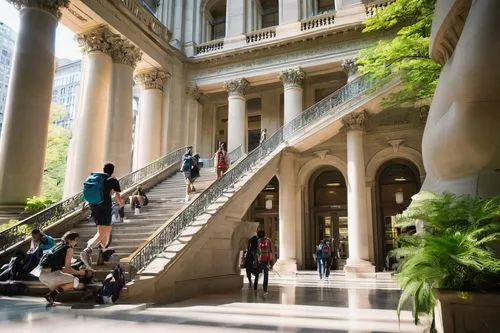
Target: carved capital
<point>99,40</point>
<point>124,52</point>
<point>194,92</point>
<point>154,79</point>
<point>50,6</point>
<point>349,66</point>
<point>293,77</point>
<point>236,87</point>
<point>355,121</point>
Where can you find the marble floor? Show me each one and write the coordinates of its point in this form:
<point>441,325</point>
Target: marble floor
<point>302,305</point>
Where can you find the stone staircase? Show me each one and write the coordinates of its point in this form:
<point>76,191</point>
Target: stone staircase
<point>11,213</point>
<point>165,200</point>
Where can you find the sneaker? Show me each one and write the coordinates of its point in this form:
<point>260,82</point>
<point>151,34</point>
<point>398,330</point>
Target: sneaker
<point>51,297</point>
<point>86,257</point>
<point>187,198</point>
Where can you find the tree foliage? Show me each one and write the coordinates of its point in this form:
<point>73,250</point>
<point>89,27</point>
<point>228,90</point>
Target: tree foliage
<point>55,156</point>
<point>407,54</point>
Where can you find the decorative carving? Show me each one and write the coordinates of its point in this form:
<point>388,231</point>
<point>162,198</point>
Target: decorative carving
<point>50,6</point>
<point>355,121</point>
<point>321,153</point>
<point>236,87</point>
<point>124,52</point>
<point>154,79</point>
<point>395,144</point>
<point>99,40</point>
<point>194,92</point>
<point>293,77</point>
<point>349,66</point>
<point>423,105</point>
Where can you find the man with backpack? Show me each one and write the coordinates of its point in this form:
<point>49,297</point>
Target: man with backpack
<point>221,160</point>
<point>98,189</point>
<point>186,168</point>
<point>250,260</point>
<point>320,258</point>
<point>265,259</point>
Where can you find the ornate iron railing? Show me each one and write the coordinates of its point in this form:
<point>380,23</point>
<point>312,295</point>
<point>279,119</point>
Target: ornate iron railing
<point>334,104</point>
<point>54,213</point>
<point>234,156</point>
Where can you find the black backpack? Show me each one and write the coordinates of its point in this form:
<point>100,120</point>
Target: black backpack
<point>111,286</point>
<point>50,258</point>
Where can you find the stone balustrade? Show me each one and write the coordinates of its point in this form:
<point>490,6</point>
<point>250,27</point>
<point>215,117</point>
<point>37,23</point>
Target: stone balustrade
<point>261,35</point>
<point>372,6</point>
<point>319,21</point>
<point>211,46</point>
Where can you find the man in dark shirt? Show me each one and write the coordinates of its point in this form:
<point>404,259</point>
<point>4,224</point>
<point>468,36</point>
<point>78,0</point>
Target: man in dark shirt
<point>101,215</point>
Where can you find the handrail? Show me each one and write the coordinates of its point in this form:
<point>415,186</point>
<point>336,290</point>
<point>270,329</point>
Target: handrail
<point>334,104</point>
<point>54,213</point>
<point>233,156</point>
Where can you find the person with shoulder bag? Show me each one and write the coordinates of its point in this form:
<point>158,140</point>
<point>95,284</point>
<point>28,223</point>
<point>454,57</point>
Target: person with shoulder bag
<point>265,258</point>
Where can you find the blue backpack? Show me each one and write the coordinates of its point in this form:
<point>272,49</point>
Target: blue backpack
<point>187,163</point>
<point>93,188</point>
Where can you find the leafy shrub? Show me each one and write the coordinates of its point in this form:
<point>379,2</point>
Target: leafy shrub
<point>36,204</point>
<point>455,250</point>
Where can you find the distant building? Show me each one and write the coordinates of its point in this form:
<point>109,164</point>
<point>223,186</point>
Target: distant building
<point>7,43</point>
<point>65,88</point>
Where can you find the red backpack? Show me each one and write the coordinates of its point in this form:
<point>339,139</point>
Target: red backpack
<point>265,250</point>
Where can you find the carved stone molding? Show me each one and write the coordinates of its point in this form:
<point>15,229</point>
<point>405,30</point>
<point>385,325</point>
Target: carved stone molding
<point>50,6</point>
<point>194,92</point>
<point>236,87</point>
<point>293,77</point>
<point>355,121</point>
<point>124,52</point>
<point>99,40</point>
<point>395,144</point>
<point>349,66</point>
<point>154,79</point>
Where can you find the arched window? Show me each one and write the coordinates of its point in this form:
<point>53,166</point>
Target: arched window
<point>322,6</point>
<point>215,20</point>
<point>269,13</point>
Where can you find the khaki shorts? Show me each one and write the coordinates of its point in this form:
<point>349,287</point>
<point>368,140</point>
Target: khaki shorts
<point>55,279</point>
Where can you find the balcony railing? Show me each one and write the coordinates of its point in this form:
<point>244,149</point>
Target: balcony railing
<point>336,104</point>
<point>261,35</point>
<point>211,46</point>
<point>56,212</point>
<point>318,21</point>
<point>372,6</point>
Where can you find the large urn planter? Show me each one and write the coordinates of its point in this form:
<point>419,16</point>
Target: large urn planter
<point>467,312</point>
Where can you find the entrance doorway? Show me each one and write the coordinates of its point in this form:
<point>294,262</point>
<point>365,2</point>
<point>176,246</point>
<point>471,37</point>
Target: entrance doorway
<point>328,217</point>
<point>397,181</point>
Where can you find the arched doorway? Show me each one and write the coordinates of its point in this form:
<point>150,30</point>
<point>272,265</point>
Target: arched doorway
<point>328,215</point>
<point>397,181</point>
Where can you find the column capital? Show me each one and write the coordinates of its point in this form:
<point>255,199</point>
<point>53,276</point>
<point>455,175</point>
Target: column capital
<point>293,77</point>
<point>193,91</point>
<point>154,79</point>
<point>124,52</point>
<point>349,66</point>
<point>50,6</point>
<point>355,121</point>
<point>98,40</point>
<point>236,87</point>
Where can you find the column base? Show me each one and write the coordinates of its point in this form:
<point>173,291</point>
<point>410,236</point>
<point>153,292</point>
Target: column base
<point>286,267</point>
<point>359,269</point>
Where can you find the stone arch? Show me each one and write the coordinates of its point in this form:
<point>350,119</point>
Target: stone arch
<point>311,166</point>
<point>387,154</point>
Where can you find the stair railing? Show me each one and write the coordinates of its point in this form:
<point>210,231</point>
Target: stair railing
<point>57,211</point>
<point>335,104</point>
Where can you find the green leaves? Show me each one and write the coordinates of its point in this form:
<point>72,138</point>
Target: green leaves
<point>453,252</point>
<point>407,54</point>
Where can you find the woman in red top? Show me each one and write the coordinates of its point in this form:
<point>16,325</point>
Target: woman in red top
<point>221,160</point>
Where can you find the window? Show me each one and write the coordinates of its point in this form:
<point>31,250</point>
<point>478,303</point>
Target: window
<point>269,13</point>
<point>324,6</point>
<point>219,28</point>
<point>215,18</point>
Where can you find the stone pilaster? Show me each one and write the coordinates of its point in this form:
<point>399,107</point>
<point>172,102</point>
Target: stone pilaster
<point>154,79</point>
<point>293,77</point>
<point>52,7</point>
<point>194,92</point>
<point>236,87</point>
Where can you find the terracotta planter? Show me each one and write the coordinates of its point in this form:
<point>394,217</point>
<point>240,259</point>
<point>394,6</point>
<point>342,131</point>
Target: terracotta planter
<point>467,313</point>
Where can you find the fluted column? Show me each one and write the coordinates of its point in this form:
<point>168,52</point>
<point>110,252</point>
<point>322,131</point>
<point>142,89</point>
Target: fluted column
<point>148,146</point>
<point>357,227</point>
<point>287,214</point>
<point>25,128</point>
<point>118,148</point>
<point>350,67</point>
<point>237,114</point>
<point>292,80</point>
<point>91,120</point>
<point>194,117</point>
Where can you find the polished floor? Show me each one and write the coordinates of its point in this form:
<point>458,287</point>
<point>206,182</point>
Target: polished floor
<point>302,305</point>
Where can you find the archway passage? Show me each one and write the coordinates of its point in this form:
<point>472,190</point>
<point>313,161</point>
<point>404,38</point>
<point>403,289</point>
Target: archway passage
<point>397,181</point>
<point>328,216</point>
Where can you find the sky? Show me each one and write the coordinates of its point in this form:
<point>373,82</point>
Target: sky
<point>66,47</point>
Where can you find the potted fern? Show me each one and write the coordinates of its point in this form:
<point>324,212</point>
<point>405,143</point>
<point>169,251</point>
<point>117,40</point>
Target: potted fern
<point>451,266</point>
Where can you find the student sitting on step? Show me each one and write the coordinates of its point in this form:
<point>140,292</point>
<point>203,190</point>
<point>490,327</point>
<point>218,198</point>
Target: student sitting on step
<point>138,199</point>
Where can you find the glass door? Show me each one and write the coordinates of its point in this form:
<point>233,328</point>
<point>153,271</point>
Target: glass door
<point>333,226</point>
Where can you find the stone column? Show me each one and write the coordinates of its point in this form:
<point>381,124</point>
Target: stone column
<point>350,68</point>
<point>150,114</point>
<point>287,214</point>
<point>359,258</point>
<point>237,114</point>
<point>194,121</point>
<point>292,80</point>
<point>118,147</point>
<point>90,127</point>
<point>25,128</point>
